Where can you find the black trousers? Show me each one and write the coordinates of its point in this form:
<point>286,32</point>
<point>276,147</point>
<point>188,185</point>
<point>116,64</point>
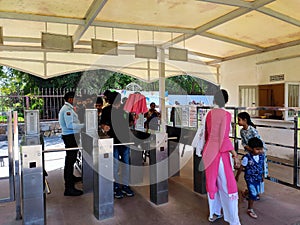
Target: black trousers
<point>71,156</point>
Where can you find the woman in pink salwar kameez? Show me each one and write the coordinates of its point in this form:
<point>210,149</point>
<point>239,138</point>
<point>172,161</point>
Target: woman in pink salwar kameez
<point>220,181</point>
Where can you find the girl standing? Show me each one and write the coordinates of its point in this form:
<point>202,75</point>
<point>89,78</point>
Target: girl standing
<point>249,131</point>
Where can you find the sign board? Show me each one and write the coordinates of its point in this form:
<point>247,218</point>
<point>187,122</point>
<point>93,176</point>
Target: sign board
<point>178,54</point>
<point>278,77</point>
<point>104,47</point>
<point>146,51</point>
<point>57,42</point>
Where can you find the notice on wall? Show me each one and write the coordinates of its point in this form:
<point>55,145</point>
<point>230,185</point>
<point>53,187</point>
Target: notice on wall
<point>185,116</point>
<point>193,116</point>
<point>277,77</point>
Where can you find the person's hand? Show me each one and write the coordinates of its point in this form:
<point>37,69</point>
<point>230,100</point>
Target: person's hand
<point>237,162</point>
<point>105,128</point>
<point>236,177</point>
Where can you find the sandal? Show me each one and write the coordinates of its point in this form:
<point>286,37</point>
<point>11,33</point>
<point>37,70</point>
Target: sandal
<point>251,213</point>
<point>214,218</point>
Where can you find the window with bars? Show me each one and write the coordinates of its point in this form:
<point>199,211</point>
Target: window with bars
<point>248,97</point>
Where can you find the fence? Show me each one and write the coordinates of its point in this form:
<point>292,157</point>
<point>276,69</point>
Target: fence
<point>47,100</point>
<point>281,136</point>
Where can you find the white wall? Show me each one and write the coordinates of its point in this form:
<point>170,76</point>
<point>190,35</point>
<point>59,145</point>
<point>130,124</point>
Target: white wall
<point>257,69</point>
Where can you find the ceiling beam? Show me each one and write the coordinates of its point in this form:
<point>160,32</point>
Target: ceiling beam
<point>279,16</point>
<point>40,18</point>
<point>205,55</point>
<point>207,26</point>
<point>53,19</point>
<point>90,16</point>
<point>269,49</point>
<point>22,39</point>
<point>142,27</point>
<point>237,3</point>
<point>220,20</point>
<point>231,41</point>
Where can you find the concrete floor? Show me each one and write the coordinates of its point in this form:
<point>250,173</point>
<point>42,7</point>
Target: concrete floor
<point>279,205</point>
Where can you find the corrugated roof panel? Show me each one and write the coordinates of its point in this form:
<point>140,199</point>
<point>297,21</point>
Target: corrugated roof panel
<point>258,29</point>
<point>290,8</point>
<point>71,9</point>
<point>213,47</point>
<point>175,13</point>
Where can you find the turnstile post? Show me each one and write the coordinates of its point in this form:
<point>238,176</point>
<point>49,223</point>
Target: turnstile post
<point>33,201</point>
<point>159,168</point>
<point>103,180</point>
<point>199,175</point>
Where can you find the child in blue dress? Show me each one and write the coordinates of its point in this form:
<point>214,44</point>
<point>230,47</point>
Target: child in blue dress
<point>249,131</point>
<point>253,165</point>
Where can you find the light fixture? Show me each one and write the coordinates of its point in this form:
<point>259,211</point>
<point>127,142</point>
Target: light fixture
<point>57,42</point>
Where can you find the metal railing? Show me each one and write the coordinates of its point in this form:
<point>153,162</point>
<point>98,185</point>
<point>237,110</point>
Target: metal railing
<point>287,143</point>
<point>47,100</point>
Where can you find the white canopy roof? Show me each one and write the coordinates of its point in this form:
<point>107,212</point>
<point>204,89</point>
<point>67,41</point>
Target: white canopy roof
<point>211,31</point>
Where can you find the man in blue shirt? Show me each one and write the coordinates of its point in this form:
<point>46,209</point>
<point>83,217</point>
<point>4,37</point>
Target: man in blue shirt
<point>71,127</point>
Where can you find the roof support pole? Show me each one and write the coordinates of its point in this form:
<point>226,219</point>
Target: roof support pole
<point>162,88</point>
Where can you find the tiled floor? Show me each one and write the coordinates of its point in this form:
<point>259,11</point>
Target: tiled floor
<point>278,206</point>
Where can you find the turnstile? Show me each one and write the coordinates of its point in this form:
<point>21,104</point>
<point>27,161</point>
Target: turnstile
<point>159,168</point>
<point>32,182</point>
<point>103,180</point>
<point>89,144</point>
<point>185,136</point>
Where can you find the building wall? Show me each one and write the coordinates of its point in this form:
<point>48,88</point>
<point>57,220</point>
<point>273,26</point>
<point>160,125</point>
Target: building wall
<point>257,69</point>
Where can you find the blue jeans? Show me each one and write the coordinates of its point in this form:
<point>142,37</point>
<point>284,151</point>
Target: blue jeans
<point>121,170</point>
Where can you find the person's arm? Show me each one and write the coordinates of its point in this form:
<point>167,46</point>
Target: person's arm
<point>237,162</point>
<point>244,141</point>
<point>239,170</point>
<point>69,120</point>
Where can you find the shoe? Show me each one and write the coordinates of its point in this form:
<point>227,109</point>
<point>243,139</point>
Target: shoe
<point>251,213</point>
<point>214,218</point>
<point>127,191</point>
<point>72,192</point>
<point>118,193</point>
<point>77,179</point>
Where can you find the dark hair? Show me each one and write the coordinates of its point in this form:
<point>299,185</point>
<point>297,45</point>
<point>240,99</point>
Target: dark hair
<point>68,95</point>
<point>99,101</point>
<point>115,97</point>
<point>245,115</point>
<point>124,100</point>
<point>255,143</point>
<point>221,97</point>
<point>152,103</point>
<point>106,93</point>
